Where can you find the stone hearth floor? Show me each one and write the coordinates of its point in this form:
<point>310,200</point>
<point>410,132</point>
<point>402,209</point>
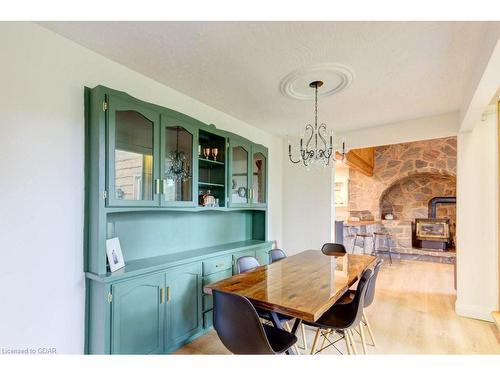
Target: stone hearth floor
<point>421,255</point>
<point>426,255</point>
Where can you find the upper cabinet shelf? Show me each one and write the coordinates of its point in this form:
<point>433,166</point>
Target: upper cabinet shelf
<point>156,157</point>
<point>209,162</point>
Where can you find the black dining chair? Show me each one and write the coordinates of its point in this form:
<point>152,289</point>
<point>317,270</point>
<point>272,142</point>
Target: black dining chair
<point>342,318</point>
<point>369,297</point>
<point>275,255</point>
<point>240,330</point>
<point>248,263</point>
<point>333,248</point>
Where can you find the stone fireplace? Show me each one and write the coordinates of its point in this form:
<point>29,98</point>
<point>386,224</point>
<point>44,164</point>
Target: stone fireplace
<point>405,178</point>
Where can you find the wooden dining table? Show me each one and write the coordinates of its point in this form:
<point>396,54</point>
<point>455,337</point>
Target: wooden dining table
<point>303,286</point>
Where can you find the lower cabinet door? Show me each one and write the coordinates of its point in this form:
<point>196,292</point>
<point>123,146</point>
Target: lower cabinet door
<point>185,304</point>
<point>138,316</point>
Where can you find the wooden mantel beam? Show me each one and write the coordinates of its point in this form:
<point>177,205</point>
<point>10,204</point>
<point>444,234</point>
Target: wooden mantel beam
<point>361,159</point>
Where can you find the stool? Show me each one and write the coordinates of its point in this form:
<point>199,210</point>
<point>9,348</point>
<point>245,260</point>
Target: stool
<point>363,237</point>
<point>384,237</point>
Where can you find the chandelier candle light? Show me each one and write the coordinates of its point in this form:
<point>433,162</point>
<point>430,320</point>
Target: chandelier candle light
<point>178,169</point>
<point>322,151</point>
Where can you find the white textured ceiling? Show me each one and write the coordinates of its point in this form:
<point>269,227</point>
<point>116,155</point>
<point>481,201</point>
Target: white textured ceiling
<point>403,70</point>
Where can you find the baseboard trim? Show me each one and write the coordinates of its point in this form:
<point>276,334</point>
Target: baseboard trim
<point>473,311</point>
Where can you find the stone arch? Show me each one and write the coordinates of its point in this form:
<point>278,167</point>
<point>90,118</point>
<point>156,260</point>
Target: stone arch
<point>407,197</point>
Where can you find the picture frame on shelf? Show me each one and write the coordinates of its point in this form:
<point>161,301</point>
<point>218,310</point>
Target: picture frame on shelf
<point>114,254</point>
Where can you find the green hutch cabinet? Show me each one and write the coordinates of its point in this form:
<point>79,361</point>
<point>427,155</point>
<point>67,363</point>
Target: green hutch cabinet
<point>146,167</point>
<point>248,174</point>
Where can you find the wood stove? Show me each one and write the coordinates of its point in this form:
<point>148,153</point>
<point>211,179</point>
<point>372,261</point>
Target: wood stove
<point>432,233</point>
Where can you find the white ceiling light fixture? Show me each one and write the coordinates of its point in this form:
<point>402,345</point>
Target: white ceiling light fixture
<point>314,146</point>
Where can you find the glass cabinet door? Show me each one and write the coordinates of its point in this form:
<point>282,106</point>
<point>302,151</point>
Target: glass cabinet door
<point>177,164</point>
<point>239,184</point>
<point>259,178</point>
<point>132,176</point>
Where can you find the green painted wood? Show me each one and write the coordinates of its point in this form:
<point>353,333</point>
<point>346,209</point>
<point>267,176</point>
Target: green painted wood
<point>185,305</point>
<point>164,262</point>
<point>208,302</point>
<point>217,276</point>
<point>97,321</point>
<point>95,182</point>
<point>145,235</point>
<point>201,232</point>
<point>217,264</point>
<point>138,316</point>
<point>166,122</point>
<point>119,103</point>
<point>233,171</point>
<point>261,150</point>
<point>262,256</point>
<point>208,319</point>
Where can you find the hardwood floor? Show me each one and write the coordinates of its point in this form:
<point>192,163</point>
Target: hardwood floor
<point>413,313</point>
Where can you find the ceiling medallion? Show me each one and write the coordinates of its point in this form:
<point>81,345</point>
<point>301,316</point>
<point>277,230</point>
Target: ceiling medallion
<point>335,77</point>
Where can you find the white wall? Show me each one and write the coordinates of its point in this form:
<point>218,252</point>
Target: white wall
<point>42,180</point>
<point>308,206</point>
<point>433,127</point>
<point>477,221</point>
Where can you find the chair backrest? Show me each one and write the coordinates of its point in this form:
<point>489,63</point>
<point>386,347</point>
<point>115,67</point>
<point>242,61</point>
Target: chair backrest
<point>275,255</point>
<point>238,325</point>
<point>357,303</point>
<point>370,290</point>
<point>244,264</point>
<point>330,248</point>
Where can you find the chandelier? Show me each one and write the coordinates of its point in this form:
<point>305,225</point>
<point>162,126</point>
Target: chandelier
<point>320,151</point>
<point>178,169</point>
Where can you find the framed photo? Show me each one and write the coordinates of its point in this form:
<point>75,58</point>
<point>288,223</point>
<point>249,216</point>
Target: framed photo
<point>341,193</point>
<point>114,253</point>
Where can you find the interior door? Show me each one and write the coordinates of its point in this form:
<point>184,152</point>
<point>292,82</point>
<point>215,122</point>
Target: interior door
<point>132,153</point>
<point>138,315</point>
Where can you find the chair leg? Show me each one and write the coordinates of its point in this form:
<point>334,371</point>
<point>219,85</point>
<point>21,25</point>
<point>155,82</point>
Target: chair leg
<point>313,348</point>
<point>363,339</point>
<point>365,320</point>
<point>287,327</point>
<point>304,340</point>
<point>347,342</point>
<point>351,338</point>
<point>325,337</point>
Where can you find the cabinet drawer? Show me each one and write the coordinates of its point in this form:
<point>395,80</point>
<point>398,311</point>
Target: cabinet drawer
<point>217,277</point>
<point>218,264</point>
<point>208,302</point>
<point>208,318</point>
